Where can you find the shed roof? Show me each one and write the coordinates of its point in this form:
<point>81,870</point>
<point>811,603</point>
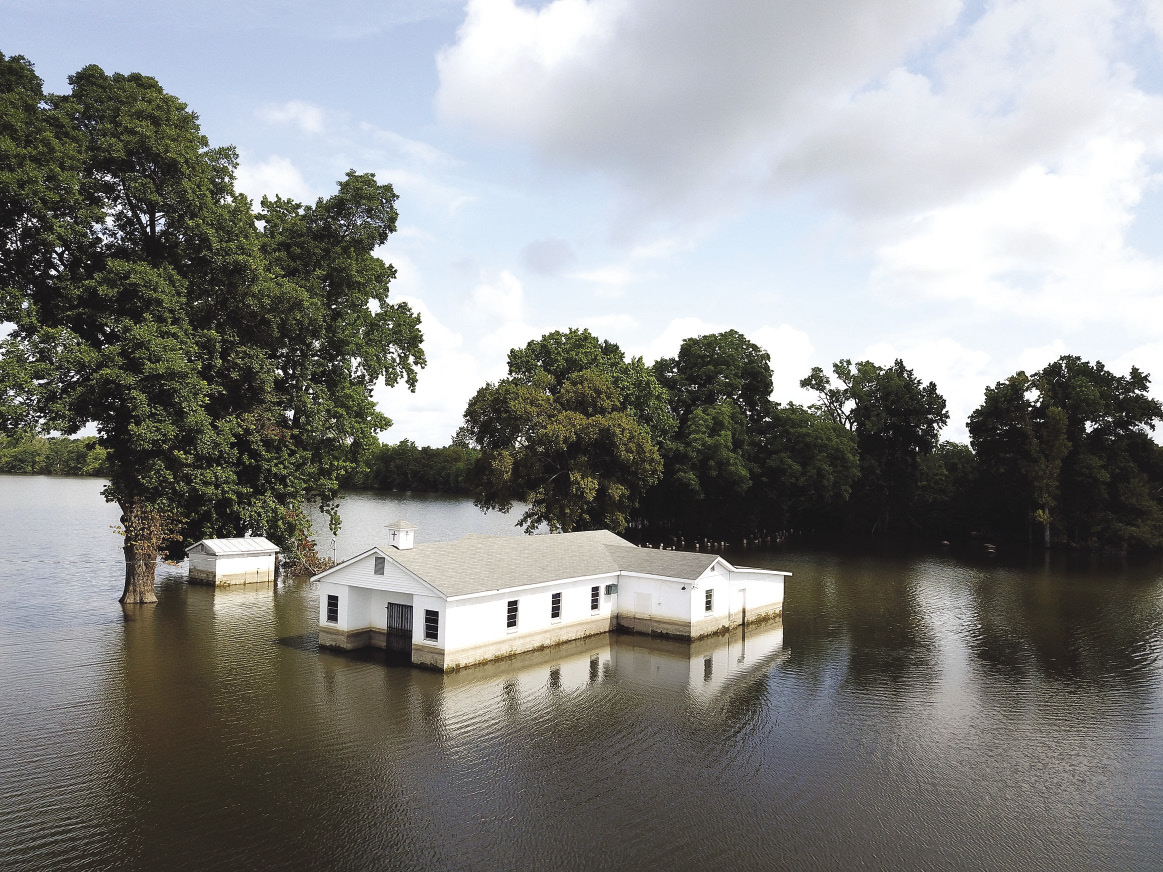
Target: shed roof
<point>236,546</point>
<point>480,564</point>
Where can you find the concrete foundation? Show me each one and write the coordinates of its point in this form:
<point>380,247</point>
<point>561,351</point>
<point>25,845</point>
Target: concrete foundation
<point>204,576</point>
<point>434,657</point>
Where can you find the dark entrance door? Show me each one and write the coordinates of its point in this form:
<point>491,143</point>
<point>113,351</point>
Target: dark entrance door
<point>399,631</point>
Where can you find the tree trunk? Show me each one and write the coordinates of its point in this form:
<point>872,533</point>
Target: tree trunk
<point>140,569</point>
<point>145,529</point>
<point>1046,532</point>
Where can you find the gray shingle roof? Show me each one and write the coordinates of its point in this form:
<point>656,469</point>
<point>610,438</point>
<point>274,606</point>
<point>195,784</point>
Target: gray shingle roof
<point>673,564</point>
<point>479,564</point>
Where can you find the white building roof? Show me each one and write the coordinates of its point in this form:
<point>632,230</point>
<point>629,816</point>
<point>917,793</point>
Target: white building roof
<point>242,545</point>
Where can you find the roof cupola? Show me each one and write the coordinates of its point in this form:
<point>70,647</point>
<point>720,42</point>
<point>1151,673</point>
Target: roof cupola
<point>402,535</point>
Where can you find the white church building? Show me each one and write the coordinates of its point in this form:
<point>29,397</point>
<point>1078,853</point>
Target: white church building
<point>452,604</point>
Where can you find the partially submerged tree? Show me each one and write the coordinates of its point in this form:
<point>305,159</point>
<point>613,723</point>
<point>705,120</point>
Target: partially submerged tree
<point>895,418</point>
<point>719,390</point>
<point>1069,449</point>
<point>228,370</point>
<point>568,432</point>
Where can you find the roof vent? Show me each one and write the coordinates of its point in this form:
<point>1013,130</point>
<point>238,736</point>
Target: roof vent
<point>402,535</point>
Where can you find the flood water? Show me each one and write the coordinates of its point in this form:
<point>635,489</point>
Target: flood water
<point>917,711</point>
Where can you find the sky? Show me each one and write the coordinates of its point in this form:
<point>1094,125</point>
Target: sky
<point>971,187</point>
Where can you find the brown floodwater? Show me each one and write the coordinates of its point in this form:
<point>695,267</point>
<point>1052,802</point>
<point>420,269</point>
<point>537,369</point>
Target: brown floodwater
<point>912,711</point>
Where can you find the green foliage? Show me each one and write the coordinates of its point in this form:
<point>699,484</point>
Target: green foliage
<point>948,492</point>
<point>1069,449</point>
<point>896,419</point>
<point>228,370</point>
<point>406,467</point>
<point>568,432</point>
<point>809,465</point>
<point>30,454</point>
<point>719,392</point>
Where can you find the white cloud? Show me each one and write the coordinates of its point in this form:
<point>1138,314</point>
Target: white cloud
<point>495,345</point>
<point>609,326</point>
<point>308,117</point>
<point>276,175</point>
<point>609,281</point>
<point>669,97</point>
<point>667,343</point>
<point>1030,360</point>
<point>791,360</point>
<point>988,155</point>
<point>1049,245</point>
<point>501,299</point>
<point>432,414</point>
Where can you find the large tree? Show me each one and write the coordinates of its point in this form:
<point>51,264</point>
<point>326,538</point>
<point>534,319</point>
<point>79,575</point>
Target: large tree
<point>568,433</point>
<point>1069,449</point>
<point>718,387</point>
<point>228,370</point>
<point>896,419</point>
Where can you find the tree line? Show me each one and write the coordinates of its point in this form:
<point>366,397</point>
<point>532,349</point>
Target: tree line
<point>31,454</point>
<point>694,447</point>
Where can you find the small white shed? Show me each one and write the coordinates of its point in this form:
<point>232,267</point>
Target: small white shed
<point>243,560</point>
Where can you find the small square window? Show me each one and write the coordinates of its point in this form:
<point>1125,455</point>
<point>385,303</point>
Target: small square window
<point>332,608</point>
<point>431,625</point>
<point>595,597</point>
<point>511,616</point>
<point>555,605</point>
<point>710,600</point>
<point>380,561</point>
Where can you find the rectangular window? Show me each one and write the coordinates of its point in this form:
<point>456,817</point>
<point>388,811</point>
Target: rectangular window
<point>710,600</point>
<point>379,570</point>
<point>595,597</point>
<point>332,608</point>
<point>555,605</point>
<point>431,625</point>
<point>511,618</point>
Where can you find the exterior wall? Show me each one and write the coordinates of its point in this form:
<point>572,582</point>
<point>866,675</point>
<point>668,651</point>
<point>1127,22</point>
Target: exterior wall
<point>654,606</point>
<point>760,594</point>
<point>363,615</point>
<point>241,569</point>
<point>478,624</point>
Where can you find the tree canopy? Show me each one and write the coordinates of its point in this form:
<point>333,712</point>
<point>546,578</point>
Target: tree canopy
<point>895,419</point>
<point>1069,449</point>
<point>568,433</point>
<point>228,369</point>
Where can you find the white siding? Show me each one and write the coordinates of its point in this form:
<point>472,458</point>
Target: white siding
<point>361,572</point>
<point>342,591</point>
<point>482,620</point>
<point>666,599</point>
<point>763,590</point>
